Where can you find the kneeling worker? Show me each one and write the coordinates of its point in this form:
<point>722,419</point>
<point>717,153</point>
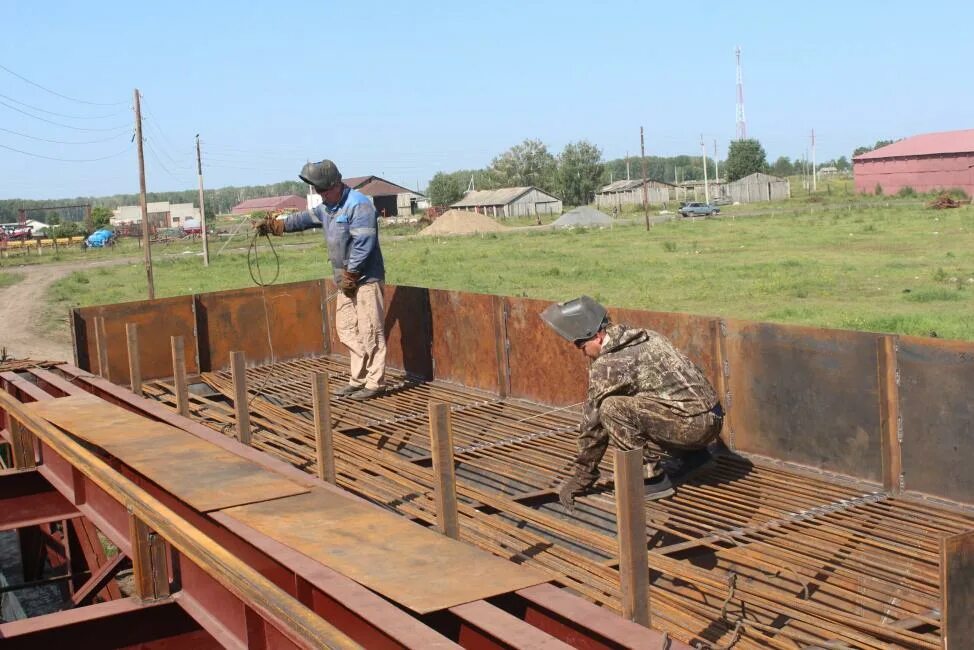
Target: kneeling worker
<point>643,393</point>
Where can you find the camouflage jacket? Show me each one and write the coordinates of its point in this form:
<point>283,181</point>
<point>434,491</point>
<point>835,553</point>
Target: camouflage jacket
<point>643,362</point>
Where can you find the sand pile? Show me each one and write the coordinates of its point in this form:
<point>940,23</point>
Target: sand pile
<point>583,217</point>
<point>462,222</point>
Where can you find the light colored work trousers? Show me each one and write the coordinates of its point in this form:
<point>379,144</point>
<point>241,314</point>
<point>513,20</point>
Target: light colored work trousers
<point>359,320</point>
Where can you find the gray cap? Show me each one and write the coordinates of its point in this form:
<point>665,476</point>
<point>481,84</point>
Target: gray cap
<point>322,175</point>
<point>575,320</point>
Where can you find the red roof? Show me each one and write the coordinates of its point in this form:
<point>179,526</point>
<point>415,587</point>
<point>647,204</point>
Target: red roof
<point>375,186</point>
<point>271,203</point>
<point>928,144</point>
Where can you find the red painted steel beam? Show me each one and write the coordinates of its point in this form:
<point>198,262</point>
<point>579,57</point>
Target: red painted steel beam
<point>484,626</point>
<point>584,625</point>
<point>26,499</point>
<point>99,580</point>
<point>114,624</point>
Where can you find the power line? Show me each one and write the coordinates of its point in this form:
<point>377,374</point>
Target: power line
<point>54,92</point>
<point>67,126</point>
<point>84,160</point>
<point>32,137</point>
<point>73,117</point>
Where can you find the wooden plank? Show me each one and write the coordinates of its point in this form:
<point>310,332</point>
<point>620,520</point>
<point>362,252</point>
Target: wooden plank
<point>957,592</point>
<point>197,472</point>
<point>241,401</point>
<point>135,367</point>
<point>415,567</point>
<point>324,443</point>
<point>889,413</point>
<point>445,483</point>
<point>179,376</point>
<point>631,517</point>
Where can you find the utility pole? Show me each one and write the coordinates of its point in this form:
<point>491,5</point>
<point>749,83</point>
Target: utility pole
<point>814,171</point>
<point>716,166</point>
<point>146,249</point>
<point>706,187</point>
<point>199,172</point>
<point>628,177</point>
<point>642,153</point>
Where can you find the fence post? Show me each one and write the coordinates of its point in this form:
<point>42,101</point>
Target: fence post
<point>631,519</point>
<point>441,437</point>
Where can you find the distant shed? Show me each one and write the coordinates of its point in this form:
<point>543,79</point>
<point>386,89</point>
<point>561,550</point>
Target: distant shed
<point>926,162</point>
<point>630,192</point>
<point>757,187</point>
<point>389,199</point>
<point>510,202</point>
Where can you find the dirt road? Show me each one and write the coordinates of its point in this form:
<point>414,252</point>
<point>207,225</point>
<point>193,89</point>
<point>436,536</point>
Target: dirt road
<point>22,308</point>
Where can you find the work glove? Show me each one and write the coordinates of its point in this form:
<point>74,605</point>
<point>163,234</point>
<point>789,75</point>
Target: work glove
<point>572,487</point>
<point>349,282</point>
<point>269,226</point>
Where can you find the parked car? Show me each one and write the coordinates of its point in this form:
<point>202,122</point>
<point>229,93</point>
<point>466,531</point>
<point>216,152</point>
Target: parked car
<point>695,209</point>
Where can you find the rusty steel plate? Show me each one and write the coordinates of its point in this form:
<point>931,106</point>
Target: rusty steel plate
<point>158,320</point>
<point>414,566</point>
<point>239,320</point>
<point>193,470</point>
<point>465,339</point>
<point>938,416</point>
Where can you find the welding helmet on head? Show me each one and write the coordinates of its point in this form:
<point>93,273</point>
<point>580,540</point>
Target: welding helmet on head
<point>321,175</point>
<point>576,320</point>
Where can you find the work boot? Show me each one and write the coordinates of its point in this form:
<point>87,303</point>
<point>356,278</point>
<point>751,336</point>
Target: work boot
<point>692,461</point>
<point>348,390</point>
<point>365,393</point>
<point>658,487</point>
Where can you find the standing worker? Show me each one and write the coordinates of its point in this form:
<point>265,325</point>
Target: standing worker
<point>351,230</point>
<point>642,393</point>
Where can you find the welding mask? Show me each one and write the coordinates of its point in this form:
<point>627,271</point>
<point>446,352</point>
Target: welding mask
<point>576,320</point>
<point>321,175</point>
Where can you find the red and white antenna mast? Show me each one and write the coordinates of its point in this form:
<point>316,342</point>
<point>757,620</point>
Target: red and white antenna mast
<point>741,122</point>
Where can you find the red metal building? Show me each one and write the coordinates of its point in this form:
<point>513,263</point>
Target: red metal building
<point>927,162</point>
<point>271,203</point>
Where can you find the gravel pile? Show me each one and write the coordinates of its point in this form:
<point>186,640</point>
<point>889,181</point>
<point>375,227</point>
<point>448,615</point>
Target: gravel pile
<point>583,217</point>
<point>462,222</point>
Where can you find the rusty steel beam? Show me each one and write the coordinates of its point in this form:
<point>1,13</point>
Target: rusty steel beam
<point>26,499</point>
<point>115,624</point>
<point>274,607</point>
<point>957,593</point>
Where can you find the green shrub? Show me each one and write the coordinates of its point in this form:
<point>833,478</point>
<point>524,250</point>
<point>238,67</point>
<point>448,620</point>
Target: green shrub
<point>906,191</point>
<point>879,190</point>
<point>669,246</point>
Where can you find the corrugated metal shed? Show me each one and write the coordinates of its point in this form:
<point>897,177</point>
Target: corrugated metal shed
<point>927,144</point>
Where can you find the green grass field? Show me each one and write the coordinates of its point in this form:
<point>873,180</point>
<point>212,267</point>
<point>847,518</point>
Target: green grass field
<point>878,266</point>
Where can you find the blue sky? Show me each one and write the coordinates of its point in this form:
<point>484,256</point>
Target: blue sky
<point>404,90</point>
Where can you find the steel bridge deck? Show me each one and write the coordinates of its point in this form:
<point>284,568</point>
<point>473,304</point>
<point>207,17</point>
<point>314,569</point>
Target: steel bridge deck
<point>749,552</point>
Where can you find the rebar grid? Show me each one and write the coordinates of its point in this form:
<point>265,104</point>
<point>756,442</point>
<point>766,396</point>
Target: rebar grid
<point>745,555</point>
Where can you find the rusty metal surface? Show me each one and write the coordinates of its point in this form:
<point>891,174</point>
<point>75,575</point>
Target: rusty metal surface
<point>957,566</point>
<point>806,395</point>
<point>544,367</point>
<point>465,339</point>
<point>414,566</point>
<point>197,472</point>
<point>692,334</point>
<point>240,320</point>
<point>938,416</point>
<point>409,331</point>
<point>158,320</point>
